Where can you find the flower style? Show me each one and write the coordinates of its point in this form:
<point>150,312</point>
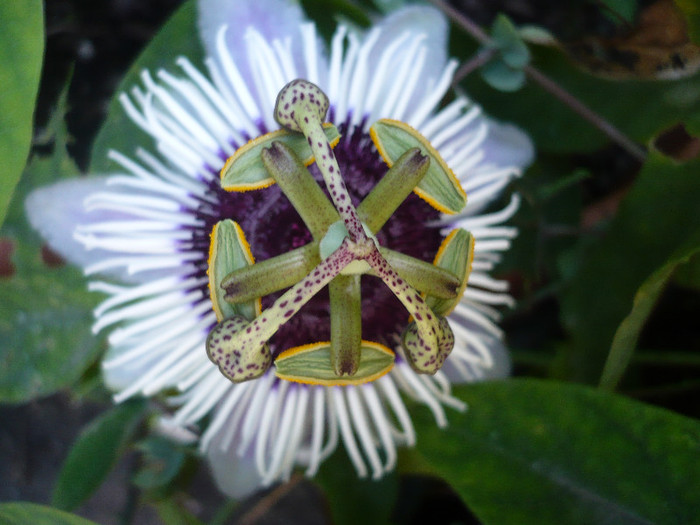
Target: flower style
<point>147,228</point>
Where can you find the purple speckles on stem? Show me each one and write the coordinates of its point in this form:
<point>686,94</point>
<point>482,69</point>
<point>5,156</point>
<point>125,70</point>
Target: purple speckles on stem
<point>306,118</point>
<point>244,355</point>
<point>229,347</point>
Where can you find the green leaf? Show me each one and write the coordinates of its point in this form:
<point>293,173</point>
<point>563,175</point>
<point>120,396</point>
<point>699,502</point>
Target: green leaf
<point>530,451</point>
<point>21,53</point>
<point>502,77</point>
<point>21,513</point>
<point>439,187</point>
<point>95,453</point>
<point>507,39</point>
<point>163,460</point>
<point>627,334</point>
<point>620,10</point>
<point>179,36</point>
<point>355,501</point>
<point>688,275</point>
<point>325,13</point>
<point>312,364</point>
<point>658,217</point>
<point>174,512</point>
<point>691,12</point>
<point>45,337</point>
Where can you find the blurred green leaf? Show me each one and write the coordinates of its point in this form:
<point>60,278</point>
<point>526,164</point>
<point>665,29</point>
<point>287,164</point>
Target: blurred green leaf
<point>640,109</point>
<point>162,461</point>
<point>21,53</point>
<point>504,71</point>
<point>502,77</point>
<point>21,513</point>
<point>353,500</point>
<point>95,453</point>
<point>530,451</point>
<point>507,39</point>
<point>658,217</point>
<point>45,338</point>
<point>688,275</point>
<point>620,10</point>
<point>178,36</point>
<point>691,12</point>
<point>627,334</point>
<point>174,512</point>
<point>387,6</point>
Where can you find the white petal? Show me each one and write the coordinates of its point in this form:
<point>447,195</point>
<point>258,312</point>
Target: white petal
<point>417,20</point>
<point>506,145</point>
<point>236,476</point>
<point>273,19</point>
<point>55,211</point>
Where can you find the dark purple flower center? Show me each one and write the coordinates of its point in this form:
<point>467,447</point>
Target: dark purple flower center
<point>273,227</point>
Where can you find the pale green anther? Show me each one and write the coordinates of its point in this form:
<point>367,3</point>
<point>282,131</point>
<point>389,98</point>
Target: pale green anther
<point>248,341</point>
<point>346,324</point>
<point>270,275</point>
<point>392,189</point>
<point>301,189</point>
<point>427,359</point>
<point>455,255</point>
<point>311,364</point>
<point>229,251</point>
<point>440,188</point>
<point>302,106</point>
<point>236,361</point>
<point>244,170</point>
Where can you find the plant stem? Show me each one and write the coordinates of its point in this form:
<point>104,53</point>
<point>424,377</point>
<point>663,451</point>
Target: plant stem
<point>550,86</point>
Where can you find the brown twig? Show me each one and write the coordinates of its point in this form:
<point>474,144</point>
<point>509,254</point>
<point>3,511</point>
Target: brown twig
<point>472,65</point>
<point>549,85</point>
<point>267,502</point>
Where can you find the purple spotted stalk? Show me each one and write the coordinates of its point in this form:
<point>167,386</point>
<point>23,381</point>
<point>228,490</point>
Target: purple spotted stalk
<point>301,106</point>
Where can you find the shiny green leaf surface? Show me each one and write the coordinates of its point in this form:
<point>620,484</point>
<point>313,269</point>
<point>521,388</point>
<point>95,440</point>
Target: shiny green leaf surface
<point>538,452</point>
